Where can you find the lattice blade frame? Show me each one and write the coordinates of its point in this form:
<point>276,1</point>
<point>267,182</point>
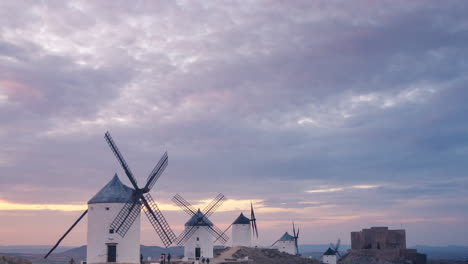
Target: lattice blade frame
<point>214,205</point>
<point>127,215</point>
<point>224,232</point>
<point>121,160</point>
<point>188,232</point>
<point>158,221</point>
<point>184,205</point>
<point>216,232</point>
<point>157,171</point>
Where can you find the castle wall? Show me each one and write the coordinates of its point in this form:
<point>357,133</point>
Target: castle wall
<point>382,243</point>
<point>378,238</point>
<point>357,240</point>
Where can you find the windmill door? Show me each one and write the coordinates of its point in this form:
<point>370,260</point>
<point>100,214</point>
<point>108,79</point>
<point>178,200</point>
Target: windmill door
<point>197,253</point>
<point>111,253</point>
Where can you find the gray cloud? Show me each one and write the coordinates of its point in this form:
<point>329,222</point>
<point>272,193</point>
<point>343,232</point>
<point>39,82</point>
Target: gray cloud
<point>250,99</point>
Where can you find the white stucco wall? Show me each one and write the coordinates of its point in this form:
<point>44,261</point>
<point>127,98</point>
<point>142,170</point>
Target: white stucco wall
<point>286,246</point>
<point>204,242</point>
<point>330,259</point>
<point>241,235</point>
<point>99,221</point>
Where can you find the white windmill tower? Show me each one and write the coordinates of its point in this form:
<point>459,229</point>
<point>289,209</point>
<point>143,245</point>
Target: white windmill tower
<point>199,233</point>
<point>102,240</point>
<point>288,243</point>
<point>241,229</point>
<point>329,257</point>
<point>114,217</point>
<point>332,255</point>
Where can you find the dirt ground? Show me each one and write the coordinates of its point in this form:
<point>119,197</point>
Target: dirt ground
<point>258,256</point>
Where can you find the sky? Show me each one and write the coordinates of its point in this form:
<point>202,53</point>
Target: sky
<point>337,115</point>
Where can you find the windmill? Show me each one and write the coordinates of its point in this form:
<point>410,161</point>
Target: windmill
<point>289,244</point>
<point>107,202</point>
<point>199,233</point>
<point>241,228</point>
<point>296,238</point>
<point>336,248</point>
<point>132,207</point>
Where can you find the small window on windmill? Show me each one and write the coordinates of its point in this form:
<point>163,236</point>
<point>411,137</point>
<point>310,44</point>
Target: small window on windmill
<point>198,239</point>
<point>107,208</point>
<point>111,231</point>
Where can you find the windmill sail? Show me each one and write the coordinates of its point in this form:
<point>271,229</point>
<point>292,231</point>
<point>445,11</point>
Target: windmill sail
<point>130,211</point>
<point>200,218</point>
<point>253,221</point>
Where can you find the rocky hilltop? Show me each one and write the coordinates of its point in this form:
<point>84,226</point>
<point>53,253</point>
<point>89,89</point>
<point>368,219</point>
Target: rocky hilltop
<point>258,256</point>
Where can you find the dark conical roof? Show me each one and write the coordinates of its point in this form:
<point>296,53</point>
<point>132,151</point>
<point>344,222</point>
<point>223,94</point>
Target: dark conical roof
<point>286,237</point>
<point>198,220</point>
<point>113,192</point>
<point>241,220</point>
<point>330,252</point>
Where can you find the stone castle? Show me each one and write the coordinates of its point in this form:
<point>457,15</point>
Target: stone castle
<point>382,243</point>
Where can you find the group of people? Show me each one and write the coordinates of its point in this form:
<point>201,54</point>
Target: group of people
<point>164,258</point>
<point>204,260</point>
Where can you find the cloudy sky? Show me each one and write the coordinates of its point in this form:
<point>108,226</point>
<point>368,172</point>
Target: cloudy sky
<point>339,115</point>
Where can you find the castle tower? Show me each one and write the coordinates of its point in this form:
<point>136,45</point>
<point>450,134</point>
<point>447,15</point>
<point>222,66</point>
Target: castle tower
<point>241,232</point>
<point>104,245</point>
<point>200,243</point>
<point>329,257</point>
<point>286,244</point>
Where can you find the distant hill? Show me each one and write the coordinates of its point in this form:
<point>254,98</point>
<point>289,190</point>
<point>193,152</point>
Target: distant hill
<point>448,252</point>
<point>36,253</point>
<point>31,249</point>
<point>4,259</point>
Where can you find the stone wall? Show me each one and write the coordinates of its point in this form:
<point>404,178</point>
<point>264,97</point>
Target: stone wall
<point>378,238</point>
<point>384,244</point>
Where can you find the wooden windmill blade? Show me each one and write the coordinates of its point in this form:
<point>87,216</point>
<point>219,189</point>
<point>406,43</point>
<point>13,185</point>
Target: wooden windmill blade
<point>214,205</point>
<point>216,232</point>
<point>188,232</point>
<point>121,160</point>
<point>66,233</point>
<point>184,205</point>
<point>127,215</point>
<point>158,221</point>
<point>253,221</point>
<point>157,171</point>
<point>130,211</point>
<point>224,232</point>
<point>201,217</point>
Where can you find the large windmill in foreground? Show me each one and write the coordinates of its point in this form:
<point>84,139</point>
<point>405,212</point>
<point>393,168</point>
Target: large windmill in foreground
<point>114,229</point>
<point>242,228</point>
<point>288,243</point>
<point>199,233</point>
